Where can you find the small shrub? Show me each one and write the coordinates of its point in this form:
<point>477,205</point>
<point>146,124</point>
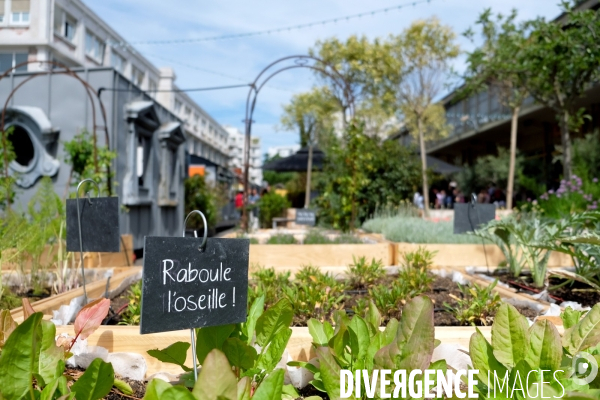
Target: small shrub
<point>363,274</point>
<point>282,239</point>
<point>316,237</point>
<point>476,306</point>
<point>131,316</point>
<point>267,282</point>
<point>421,258</point>
<point>271,205</point>
<point>346,238</point>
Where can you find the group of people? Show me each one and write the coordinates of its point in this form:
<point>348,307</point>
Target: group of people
<point>445,199</point>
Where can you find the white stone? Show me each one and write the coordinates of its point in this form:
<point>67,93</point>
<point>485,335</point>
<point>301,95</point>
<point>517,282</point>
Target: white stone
<point>165,376</point>
<point>453,354</point>
<point>129,365</point>
<point>84,359</point>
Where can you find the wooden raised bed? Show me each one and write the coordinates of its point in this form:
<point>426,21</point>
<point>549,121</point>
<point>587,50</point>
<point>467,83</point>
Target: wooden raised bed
<point>318,255</point>
<point>468,255</point>
<point>128,339</point>
<point>120,279</point>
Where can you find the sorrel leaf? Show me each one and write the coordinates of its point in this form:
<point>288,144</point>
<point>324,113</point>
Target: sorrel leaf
<point>90,317</point>
<point>483,359</point>
<point>509,335</point>
<point>330,373</point>
<point>155,389</point>
<point>585,333</point>
<point>210,338</point>
<point>416,332</point>
<point>244,389</point>
<point>177,393</point>
<point>545,350</point>
<point>270,356</point>
<point>96,381</point>
<point>239,354</point>
<point>255,312</point>
<point>18,361</point>
<point>216,380</point>
<point>174,354</point>
<point>7,325</point>
<point>27,308</point>
<point>271,387</point>
<point>273,321</point>
<point>49,354</point>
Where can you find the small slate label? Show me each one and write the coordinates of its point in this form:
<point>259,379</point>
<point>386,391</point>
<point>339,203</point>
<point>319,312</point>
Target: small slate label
<point>99,224</point>
<point>184,287</point>
<point>469,217</point>
<point>306,217</point>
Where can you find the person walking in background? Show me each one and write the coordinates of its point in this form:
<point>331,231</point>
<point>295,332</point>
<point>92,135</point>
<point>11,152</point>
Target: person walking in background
<point>253,200</point>
<point>239,200</point>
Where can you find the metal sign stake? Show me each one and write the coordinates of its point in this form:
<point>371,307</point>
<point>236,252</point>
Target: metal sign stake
<point>85,299</point>
<point>200,249</point>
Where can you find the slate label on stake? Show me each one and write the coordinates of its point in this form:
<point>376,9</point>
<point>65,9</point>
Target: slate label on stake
<point>306,217</point>
<point>99,224</point>
<point>469,217</point>
<point>185,288</point>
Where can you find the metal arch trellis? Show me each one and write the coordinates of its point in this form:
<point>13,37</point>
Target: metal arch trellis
<point>299,61</point>
<point>91,93</point>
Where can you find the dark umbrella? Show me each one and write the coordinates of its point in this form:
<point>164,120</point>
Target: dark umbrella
<point>297,162</point>
<point>441,167</point>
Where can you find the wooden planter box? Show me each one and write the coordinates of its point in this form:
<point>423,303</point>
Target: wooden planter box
<point>319,255</point>
<point>128,339</point>
<point>121,278</point>
<point>468,255</point>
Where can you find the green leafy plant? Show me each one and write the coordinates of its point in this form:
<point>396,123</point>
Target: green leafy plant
<point>7,180</point>
<point>517,348</point>
<point>476,306</point>
<point>314,294</point>
<point>358,344</point>
<point>363,274</point>
<point>271,205</point>
<point>268,283</point>
<point>281,238</point>
<point>203,196</point>
<point>131,316</point>
<point>231,348</point>
<point>32,365</point>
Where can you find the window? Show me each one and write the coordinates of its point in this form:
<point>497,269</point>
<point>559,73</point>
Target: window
<point>94,47</point>
<point>20,12</point>
<point>2,5</point>
<point>152,87</point>
<point>9,60</point>
<point>187,112</point>
<point>177,107</point>
<point>64,24</point>
<point>117,61</point>
<point>137,76</point>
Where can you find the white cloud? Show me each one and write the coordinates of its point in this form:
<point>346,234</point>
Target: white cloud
<point>145,20</point>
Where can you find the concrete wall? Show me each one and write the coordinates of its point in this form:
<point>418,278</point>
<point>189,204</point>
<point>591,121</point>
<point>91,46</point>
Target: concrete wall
<point>68,111</point>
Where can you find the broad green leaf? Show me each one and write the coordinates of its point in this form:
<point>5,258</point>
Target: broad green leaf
<point>155,389</point>
<point>174,354</point>
<point>328,329</point>
<point>570,317</point>
<point>274,320</point>
<point>338,344</point>
<point>439,365</point>
<point>483,359</point>
<point>50,355</point>
<point>50,390</point>
<point>7,325</point>
<point>303,364</point>
<point>317,331</point>
<point>239,354</point>
<point>330,373</point>
<point>96,381</point>
<point>373,316</point>
<point>545,349</point>
<point>123,386</point>
<point>290,391</point>
<point>210,338</point>
<point>416,331</point>
<point>255,312</point>
<point>271,387</point>
<point>509,335</point>
<point>518,380</point>
<point>391,330</point>
<point>270,356</point>
<point>359,337</point>
<point>584,334</point>
<point>244,389</point>
<point>181,393</point>
<point>216,379</point>
<point>18,360</point>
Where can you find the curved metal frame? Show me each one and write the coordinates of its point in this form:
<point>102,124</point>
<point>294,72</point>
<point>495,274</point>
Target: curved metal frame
<point>91,92</point>
<point>300,61</point>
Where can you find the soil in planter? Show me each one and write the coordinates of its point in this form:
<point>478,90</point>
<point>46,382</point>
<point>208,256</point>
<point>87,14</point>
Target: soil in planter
<point>569,291</point>
<point>12,299</point>
<point>118,305</point>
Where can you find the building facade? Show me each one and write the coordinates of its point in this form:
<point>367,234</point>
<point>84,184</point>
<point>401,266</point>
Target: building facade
<point>236,152</point>
<point>282,151</point>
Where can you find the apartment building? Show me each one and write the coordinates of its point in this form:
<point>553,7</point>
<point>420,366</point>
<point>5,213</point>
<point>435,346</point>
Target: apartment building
<point>70,33</point>
<point>236,151</point>
<point>282,151</point>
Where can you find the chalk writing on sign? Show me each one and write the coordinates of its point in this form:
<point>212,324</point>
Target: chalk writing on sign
<point>184,287</point>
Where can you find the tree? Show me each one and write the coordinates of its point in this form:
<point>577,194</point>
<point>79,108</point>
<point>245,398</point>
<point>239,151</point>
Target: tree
<point>370,70</point>
<point>310,114</point>
<point>557,64</point>
<point>426,47</point>
<point>492,67</point>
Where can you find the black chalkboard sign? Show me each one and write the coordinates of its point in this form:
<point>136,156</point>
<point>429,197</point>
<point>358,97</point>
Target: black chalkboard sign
<point>184,287</point>
<point>469,217</point>
<point>99,224</point>
<point>306,217</point>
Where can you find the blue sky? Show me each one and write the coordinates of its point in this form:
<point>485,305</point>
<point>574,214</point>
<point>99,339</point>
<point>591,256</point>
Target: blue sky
<point>234,61</point>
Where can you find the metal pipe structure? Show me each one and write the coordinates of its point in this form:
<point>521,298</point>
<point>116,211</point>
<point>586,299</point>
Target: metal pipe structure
<point>91,93</point>
<point>278,66</point>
